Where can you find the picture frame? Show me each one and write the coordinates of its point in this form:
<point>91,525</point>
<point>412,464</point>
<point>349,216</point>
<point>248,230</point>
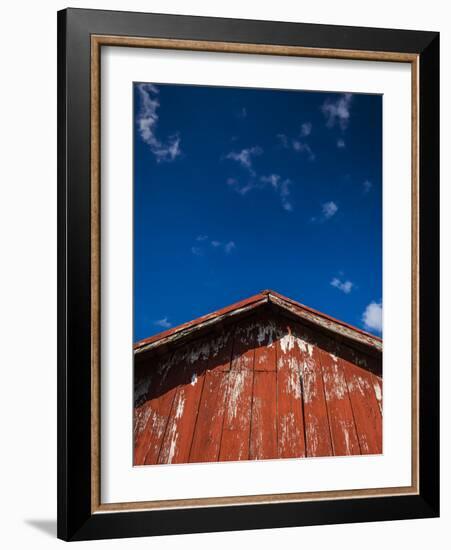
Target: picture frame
<point>81,36</point>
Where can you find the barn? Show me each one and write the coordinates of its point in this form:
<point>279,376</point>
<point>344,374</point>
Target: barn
<point>264,378</point>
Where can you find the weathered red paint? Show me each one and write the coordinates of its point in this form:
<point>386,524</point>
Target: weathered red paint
<point>211,320</point>
<point>267,384</point>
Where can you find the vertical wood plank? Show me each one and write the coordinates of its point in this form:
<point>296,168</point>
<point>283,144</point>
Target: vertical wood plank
<point>141,403</point>
<point>237,418</point>
<point>263,440</point>
<point>377,385</point>
<point>290,418</point>
<point>266,339</point>
<point>341,419</point>
<point>367,414</point>
<point>221,349</point>
<point>208,430</point>
<point>155,413</point>
<point>177,440</point>
<point>317,430</point>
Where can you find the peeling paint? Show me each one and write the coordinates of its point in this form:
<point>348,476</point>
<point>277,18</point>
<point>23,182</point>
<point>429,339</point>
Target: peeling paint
<point>309,380</point>
<point>201,351</point>
<point>235,388</point>
<point>172,446</point>
<point>218,343</point>
<point>141,390</point>
<point>345,431</point>
<point>180,406</point>
<point>378,392</point>
<point>334,383</point>
<point>304,398</point>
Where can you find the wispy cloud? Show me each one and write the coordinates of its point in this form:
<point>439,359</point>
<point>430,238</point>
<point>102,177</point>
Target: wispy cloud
<point>344,286</point>
<point>302,147</point>
<point>281,187</point>
<point>242,113</point>
<point>240,187</point>
<point>163,323</point>
<point>254,181</point>
<point>372,316</point>
<point>208,244</point>
<point>306,129</point>
<point>197,251</point>
<point>283,140</point>
<point>367,185</point>
<point>298,144</point>
<point>341,144</point>
<point>329,209</point>
<point>338,111</point>
<point>245,157</point>
<point>147,121</point>
<point>228,247</point>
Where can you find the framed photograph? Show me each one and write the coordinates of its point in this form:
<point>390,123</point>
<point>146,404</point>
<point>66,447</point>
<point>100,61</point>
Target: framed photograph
<point>248,274</point>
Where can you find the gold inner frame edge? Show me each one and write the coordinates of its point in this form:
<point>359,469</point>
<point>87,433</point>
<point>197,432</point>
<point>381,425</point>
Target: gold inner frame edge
<point>97,41</point>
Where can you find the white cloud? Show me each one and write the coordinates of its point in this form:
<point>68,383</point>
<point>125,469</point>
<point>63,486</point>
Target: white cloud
<point>341,144</point>
<point>245,157</point>
<point>367,185</point>
<point>282,188</point>
<point>329,209</point>
<point>337,111</point>
<point>298,145</point>
<point>306,129</point>
<point>196,250</point>
<point>240,187</point>
<point>283,140</point>
<point>272,179</point>
<point>147,122</point>
<point>242,113</point>
<point>285,194</point>
<point>344,286</point>
<point>302,147</point>
<point>163,323</point>
<point>228,247</point>
<point>372,316</point>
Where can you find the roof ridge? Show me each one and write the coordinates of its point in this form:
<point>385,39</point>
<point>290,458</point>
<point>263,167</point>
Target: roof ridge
<point>263,297</point>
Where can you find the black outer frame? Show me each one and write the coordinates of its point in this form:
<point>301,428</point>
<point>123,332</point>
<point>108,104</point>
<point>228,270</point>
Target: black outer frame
<point>75,521</point>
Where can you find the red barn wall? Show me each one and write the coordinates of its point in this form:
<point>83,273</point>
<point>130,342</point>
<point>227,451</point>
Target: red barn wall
<point>265,387</point>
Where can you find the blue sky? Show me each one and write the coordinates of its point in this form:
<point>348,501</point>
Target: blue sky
<point>240,190</point>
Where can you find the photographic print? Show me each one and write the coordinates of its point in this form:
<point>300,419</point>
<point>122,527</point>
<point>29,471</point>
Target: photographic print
<point>257,274</point>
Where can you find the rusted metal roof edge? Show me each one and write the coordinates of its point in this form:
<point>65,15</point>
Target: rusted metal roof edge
<point>295,308</point>
<point>326,322</point>
<point>178,333</point>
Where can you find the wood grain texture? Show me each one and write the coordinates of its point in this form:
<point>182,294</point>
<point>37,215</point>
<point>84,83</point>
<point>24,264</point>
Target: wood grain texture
<point>177,441</point>
<point>341,419</point>
<point>263,437</point>
<point>367,414</point>
<point>207,434</point>
<point>290,415</point>
<point>265,387</point>
<point>152,422</point>
<point>317,429</point>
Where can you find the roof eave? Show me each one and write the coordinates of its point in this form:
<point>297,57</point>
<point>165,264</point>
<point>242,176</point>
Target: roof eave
<point>311,316</point>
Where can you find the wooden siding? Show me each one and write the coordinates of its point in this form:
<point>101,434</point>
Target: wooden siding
<point>265,387</point>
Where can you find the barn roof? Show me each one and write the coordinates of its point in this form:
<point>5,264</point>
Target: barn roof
<point>266,298</point>
<point>262,379</point>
